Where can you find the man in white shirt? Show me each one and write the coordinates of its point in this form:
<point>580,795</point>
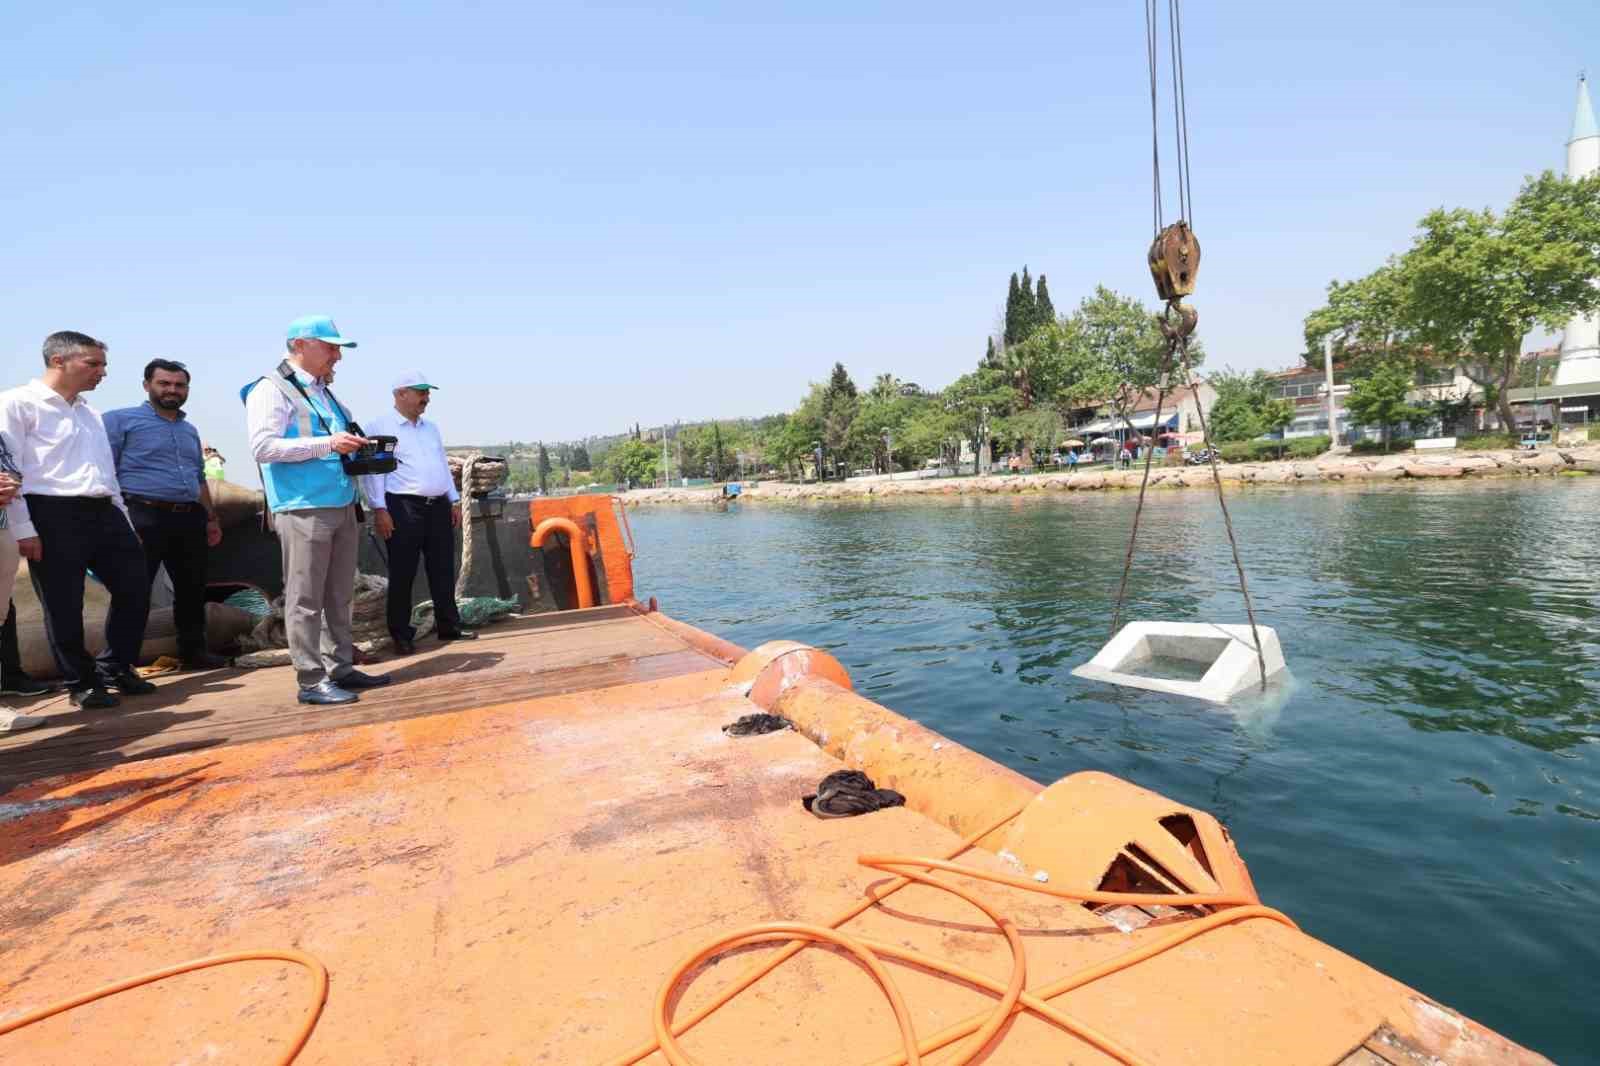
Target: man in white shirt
<point>417,509</point>
<point>71,519</point>
<point>299,433</point>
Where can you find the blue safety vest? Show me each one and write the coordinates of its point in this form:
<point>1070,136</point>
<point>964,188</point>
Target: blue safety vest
<point>311,482</point>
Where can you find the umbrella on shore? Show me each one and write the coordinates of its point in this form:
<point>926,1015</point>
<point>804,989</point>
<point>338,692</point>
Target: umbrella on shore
<point>1074,443</point>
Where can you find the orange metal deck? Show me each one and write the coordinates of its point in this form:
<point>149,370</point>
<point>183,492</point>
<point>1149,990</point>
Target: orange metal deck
<point>500,858</point>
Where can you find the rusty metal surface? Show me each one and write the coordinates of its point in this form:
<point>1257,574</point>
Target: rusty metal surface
<point>517,659</point>
<point>510,882</point>
<point>1174,261</point>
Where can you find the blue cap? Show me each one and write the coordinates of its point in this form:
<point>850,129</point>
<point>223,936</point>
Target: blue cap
<point>318,328</point>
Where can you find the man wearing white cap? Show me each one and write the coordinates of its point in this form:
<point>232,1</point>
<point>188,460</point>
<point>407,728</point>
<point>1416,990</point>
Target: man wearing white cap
<point>416,508</point>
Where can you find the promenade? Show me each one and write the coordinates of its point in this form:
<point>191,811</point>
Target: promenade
<point>1401,466</point>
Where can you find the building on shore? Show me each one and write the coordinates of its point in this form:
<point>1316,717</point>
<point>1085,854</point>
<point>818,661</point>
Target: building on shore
<point>1180,413</point>
<point>1572,400</point>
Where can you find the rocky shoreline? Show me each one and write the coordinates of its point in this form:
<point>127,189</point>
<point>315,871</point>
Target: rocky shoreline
<point>1431,466</point>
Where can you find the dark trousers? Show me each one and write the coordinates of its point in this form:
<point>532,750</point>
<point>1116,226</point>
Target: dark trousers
<point>10,646</point>
<point>421,529</point>
<point>78,534</point>
<point>177,539</point>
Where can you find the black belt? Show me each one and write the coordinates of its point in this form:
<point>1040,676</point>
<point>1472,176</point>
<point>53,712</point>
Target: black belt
<point>174,506</point>
<point>413,496</point>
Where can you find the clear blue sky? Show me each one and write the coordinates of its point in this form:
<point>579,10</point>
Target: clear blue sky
<point>576,217</point>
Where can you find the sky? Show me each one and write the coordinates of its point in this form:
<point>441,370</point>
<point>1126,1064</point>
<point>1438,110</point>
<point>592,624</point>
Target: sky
<point>578,217</point>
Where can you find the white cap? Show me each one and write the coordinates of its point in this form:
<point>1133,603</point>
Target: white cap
<point>411,379</point>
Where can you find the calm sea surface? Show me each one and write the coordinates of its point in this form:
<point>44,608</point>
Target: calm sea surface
<point>1427,797</point>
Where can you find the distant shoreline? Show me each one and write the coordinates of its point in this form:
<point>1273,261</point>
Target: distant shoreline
<point>1405,466</point>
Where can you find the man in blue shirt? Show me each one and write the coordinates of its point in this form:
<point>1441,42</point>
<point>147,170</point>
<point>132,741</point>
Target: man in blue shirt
<point>162,474</point>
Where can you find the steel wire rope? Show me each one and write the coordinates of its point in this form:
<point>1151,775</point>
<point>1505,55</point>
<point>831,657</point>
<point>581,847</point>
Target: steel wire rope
<point>1227,519</point>
<point>1182,94</point>
<point>1133,534</point>
<point>1155,128</point>
<point>1177,127</point>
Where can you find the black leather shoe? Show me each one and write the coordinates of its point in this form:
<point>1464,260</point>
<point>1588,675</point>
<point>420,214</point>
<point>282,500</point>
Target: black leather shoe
<point>462,634</point>
<point>404,647</point>
<point>130,684</point>
<point>203,660</point>
<point>326,692</point>
<point>356,679</point>
<point>92,699</point>
<point>20,684</point>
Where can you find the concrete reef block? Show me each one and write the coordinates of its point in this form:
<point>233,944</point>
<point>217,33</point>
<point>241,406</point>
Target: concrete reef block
<point>1228,649</point>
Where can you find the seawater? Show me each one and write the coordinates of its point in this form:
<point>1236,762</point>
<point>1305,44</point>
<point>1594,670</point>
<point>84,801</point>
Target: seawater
<point>1423,794</point>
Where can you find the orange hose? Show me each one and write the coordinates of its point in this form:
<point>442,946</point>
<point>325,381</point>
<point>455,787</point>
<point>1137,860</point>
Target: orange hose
<point>761,969</point>
<point>319,995</point>
<point>983,1026</point>
<point>1137,899</point>
<point>756,934</point>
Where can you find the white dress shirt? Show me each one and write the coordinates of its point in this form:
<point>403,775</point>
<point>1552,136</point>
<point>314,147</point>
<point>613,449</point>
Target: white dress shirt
<point>61,449</point>
<point>268,413</point>
<point>423,469</point>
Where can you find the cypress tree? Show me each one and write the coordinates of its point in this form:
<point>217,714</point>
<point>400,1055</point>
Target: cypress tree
<point>1030,308</point>
<point>1044,311</point>
<point>1014,312</point>
<point>544,468</point>
<point>990,359</point>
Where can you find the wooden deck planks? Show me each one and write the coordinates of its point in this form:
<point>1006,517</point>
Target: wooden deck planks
<point>523,658</point>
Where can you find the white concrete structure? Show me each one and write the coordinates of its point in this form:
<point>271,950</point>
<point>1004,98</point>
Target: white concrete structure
<point>1580,341</point>
<point>1229,650</point>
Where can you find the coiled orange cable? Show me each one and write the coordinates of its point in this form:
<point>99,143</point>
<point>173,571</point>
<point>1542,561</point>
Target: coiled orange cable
<point>982,1026</point>
<point>308,1022</point>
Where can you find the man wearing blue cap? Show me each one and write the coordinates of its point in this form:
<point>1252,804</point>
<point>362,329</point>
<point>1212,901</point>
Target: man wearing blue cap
<point>299,433</point>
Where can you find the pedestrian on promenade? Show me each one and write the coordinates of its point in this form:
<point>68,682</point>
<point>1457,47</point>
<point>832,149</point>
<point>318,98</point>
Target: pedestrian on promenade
<point>161,471</point>
<point>1072,460</point>
<point>301,434</point>
<point>416,509</point>
<point>71,518</point>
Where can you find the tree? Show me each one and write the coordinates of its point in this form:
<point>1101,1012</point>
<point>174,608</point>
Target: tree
<point>1016,312</point>
<point>1044,312</point>
<point>1474,284</point>
<point>990,358</point>
<point>578,458</point>
<point>1245,407</point>
<point>719,461</point>
<point>839,406</point>
<point>631,462</point>
<point>790,443</point>
<point>1379,399</point>
<point>1124,351</point>
<point>973,400</point>
<point>544,469</point>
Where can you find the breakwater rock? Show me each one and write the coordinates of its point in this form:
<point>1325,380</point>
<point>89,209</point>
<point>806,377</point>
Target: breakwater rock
<point>1330,469</point>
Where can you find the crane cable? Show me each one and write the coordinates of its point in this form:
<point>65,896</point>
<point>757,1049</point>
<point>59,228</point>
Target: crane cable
<point>1177,320</point>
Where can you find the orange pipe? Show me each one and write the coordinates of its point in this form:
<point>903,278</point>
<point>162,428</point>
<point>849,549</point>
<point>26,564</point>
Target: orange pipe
<point>580,553</point>
<point>308,1019</point>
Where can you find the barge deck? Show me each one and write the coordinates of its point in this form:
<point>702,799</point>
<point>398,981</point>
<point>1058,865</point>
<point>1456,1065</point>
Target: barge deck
<point>500,857</point>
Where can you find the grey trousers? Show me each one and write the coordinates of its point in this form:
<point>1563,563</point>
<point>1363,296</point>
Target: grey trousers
<point>319,576</point>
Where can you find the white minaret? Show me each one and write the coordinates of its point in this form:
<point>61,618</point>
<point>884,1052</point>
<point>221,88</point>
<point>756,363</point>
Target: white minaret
<point>1580,341</point>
